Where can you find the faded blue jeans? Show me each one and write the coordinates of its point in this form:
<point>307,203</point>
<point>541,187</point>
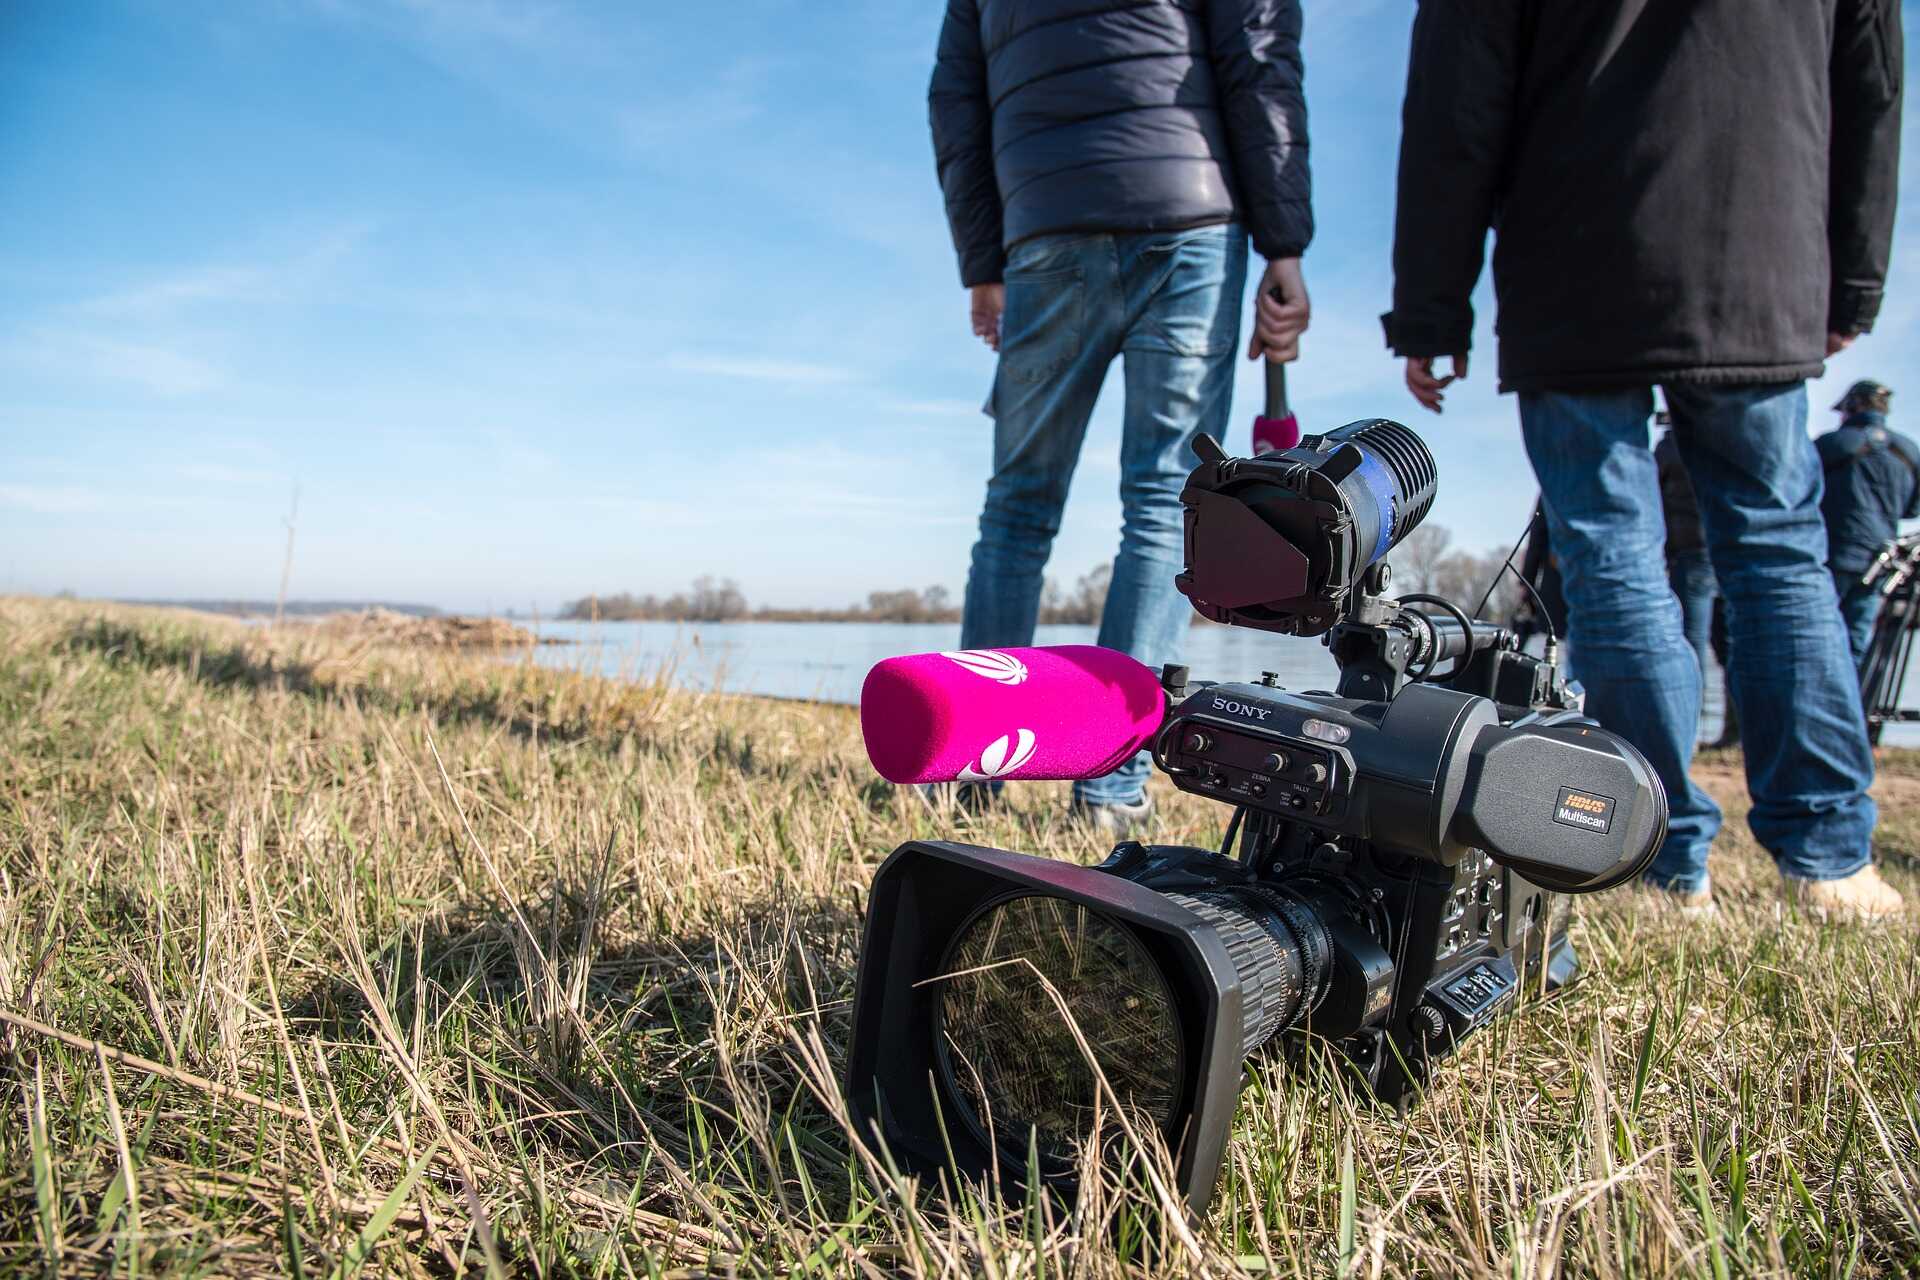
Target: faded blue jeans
<point>1168,304</point>
<point>1759,483</point>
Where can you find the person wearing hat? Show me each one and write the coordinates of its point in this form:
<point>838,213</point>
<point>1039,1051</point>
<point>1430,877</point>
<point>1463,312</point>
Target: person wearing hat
<point>1873,483</point>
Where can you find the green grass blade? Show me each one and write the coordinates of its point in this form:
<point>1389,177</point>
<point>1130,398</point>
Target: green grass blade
<point>362,1247</point>
<point>1349,1210</point>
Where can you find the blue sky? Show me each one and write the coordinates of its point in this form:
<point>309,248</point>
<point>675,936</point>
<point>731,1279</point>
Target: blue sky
<point>536,299</point>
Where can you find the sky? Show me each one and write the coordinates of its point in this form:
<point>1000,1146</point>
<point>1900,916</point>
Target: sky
<point>527,300</point>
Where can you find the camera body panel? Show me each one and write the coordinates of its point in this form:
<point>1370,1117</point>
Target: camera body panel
<point>1431,772</point>
<point>1382,771</point>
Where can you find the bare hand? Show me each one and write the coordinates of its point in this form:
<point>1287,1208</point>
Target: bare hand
<point>1281,312</point>
<point>1838,342</point>
<point>1428,389</point>
<point>985,303</point>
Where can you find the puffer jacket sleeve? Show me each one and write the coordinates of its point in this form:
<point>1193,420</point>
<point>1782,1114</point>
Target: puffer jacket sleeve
<point>962,118</point>
<point>1462,81</point>
<point>1255,49</point>
<point>1864,173</point>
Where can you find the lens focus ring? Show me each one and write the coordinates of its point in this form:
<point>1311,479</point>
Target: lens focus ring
<point>1279,963</point>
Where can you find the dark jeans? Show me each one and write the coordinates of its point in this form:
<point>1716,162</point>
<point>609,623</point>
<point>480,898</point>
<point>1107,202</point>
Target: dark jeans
<point>1758,480</point>
<point>1168,304</point>
<point>1691,576</point>
<point>1860,608</point>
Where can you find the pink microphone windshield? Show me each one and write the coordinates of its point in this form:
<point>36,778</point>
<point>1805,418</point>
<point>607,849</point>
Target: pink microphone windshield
<point>1063,711</point>
<point>1270,434</point>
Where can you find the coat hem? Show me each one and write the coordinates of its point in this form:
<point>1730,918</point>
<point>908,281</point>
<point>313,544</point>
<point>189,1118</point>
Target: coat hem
<point>1725,375</point>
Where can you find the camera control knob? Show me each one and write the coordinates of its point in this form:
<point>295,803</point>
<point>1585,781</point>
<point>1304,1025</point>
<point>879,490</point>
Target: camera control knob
<point>1198,743</point>
<point>1275,763</point>
<point>1316,773</point>
<point>1428,1022</point>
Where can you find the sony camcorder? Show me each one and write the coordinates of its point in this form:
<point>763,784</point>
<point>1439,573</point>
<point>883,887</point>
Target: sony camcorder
<point>1384,885</point>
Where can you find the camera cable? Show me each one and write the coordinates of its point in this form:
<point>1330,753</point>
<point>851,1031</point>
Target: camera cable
<point>1233,830</point>
<point>1506,567</point>
<point>1425,671</point>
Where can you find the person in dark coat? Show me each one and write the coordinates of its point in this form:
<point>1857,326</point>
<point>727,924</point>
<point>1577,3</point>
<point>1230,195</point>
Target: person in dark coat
<point>1105,163</point>
<point>1697,197</point>
<point>1873,483</point>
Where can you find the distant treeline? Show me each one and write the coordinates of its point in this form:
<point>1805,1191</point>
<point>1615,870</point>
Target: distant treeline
<point>293,608</point>
<point>1426,562</point>
<point>721,600</point>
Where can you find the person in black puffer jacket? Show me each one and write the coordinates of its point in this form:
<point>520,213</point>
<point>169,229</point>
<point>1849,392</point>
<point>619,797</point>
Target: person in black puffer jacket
<point>1117,115</point>
<point>1104,163</point>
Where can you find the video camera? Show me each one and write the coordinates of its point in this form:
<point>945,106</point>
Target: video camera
<point>1384,885</point>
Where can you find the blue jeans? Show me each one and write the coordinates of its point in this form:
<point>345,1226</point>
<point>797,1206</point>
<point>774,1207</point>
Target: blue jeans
<point>1860,608</point>
<point>1759,484</point>
<point>1691,576</point>
<point>1168,303</point>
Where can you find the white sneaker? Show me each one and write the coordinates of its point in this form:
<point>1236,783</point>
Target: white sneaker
<point>1861,898</point>
<point>1694,904</point>
<point>1117,820</point>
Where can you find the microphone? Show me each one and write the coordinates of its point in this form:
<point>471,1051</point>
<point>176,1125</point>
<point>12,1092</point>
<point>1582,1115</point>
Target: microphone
<point>977,715</point>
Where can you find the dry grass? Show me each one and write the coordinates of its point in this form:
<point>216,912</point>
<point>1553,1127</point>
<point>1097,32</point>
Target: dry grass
<point>318,961</point>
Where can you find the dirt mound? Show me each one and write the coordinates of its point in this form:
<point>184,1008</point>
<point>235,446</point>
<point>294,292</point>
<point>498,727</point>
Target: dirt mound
<point>451,631</point>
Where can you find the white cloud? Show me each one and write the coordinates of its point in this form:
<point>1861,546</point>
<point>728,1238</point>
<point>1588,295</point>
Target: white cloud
<point>161,368</point>
<point>221,475</point>
<point>724,102</point>
<point>932,408</point>
<point>199,284</point>
<point>287,271</point>
<point>55,499</point>
<point>758,370</point>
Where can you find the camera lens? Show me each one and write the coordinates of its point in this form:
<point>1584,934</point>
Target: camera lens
<point>1009,1054</point>
<point>1280,948</point>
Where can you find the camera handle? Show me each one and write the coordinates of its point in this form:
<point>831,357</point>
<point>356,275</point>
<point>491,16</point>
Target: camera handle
<point>1382,645</point>
<point>1375,644</point>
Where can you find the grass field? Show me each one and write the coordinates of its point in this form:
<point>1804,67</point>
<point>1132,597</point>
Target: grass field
<point>319,960</point>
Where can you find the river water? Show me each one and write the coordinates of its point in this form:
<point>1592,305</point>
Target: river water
<point>826,661</point>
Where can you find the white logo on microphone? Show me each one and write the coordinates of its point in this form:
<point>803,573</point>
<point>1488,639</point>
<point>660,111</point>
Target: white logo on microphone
<point>992,664</point>
<point>1001,757</point>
